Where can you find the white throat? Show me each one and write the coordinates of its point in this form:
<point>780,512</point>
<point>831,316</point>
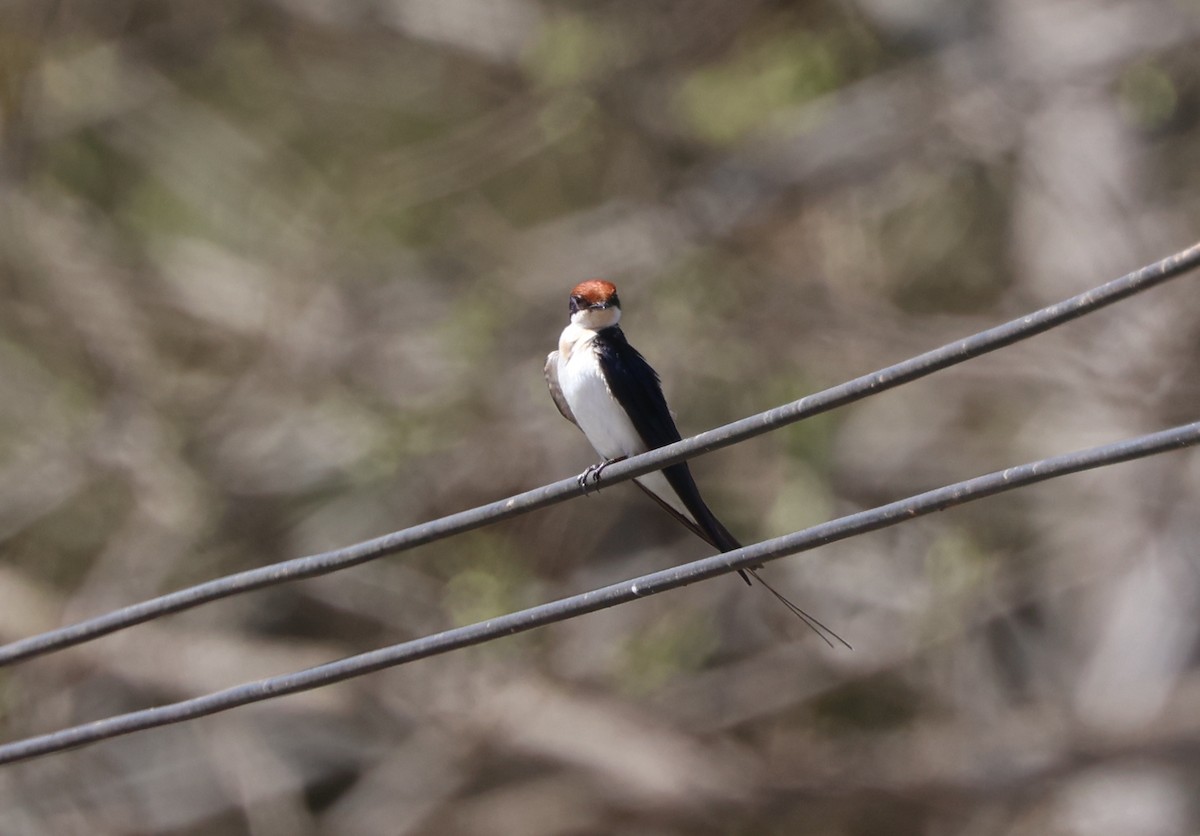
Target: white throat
<point>596,319</point>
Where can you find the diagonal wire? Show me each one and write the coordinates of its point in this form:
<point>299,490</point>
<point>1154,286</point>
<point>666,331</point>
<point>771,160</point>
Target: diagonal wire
<point>861,387</point>
<point>619,593</point>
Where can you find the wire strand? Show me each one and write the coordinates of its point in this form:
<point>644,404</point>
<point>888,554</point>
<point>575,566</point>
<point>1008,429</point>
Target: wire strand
<point>463,521</point>
<point>597,599</point>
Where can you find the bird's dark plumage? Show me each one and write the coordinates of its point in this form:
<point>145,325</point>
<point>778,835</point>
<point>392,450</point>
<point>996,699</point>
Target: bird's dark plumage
<point>636,387</point>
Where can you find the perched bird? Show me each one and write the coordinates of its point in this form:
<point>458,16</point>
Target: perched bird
<point>605,387</point>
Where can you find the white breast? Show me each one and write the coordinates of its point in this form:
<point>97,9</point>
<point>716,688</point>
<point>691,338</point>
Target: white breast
<point>599,415</point>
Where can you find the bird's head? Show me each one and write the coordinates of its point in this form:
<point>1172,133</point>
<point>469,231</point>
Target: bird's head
<point>594,305</point>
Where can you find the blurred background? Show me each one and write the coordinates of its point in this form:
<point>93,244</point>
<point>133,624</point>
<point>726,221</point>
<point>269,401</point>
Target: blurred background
<point>280,275</point>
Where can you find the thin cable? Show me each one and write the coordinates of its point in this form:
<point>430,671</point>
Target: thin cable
<point>577,605</point>
<point>870,384</point>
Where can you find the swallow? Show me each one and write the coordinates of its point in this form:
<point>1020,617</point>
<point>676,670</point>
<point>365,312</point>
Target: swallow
<point>603,385</point>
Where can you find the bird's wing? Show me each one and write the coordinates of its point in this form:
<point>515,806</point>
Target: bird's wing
<point>551,372</point>
<point>635,386</point>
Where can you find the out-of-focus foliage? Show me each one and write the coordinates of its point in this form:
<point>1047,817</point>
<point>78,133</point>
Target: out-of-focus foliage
<point>279,275</point>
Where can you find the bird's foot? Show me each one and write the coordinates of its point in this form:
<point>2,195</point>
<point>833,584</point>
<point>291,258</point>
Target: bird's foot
<point>593,473</point>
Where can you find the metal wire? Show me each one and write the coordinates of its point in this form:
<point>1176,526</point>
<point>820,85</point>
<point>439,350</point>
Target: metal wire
<point>861,387</point>
<point>577,605</point>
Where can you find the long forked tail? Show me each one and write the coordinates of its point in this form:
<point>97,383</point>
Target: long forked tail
<point>813,623</point>
<point>709,528</point>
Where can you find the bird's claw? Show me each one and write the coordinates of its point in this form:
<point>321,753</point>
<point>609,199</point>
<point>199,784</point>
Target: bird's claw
<point>593,473</point>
